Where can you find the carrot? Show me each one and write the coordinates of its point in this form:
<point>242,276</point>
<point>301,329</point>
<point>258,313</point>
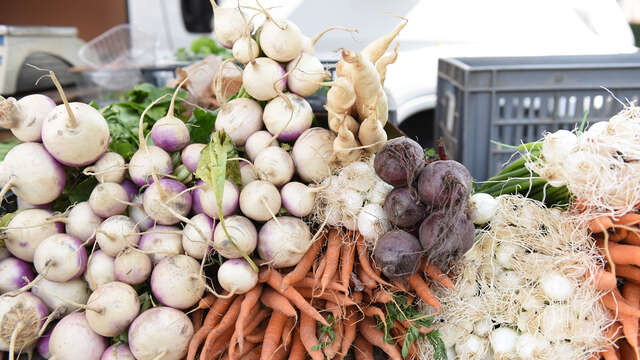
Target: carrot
<point>369,331</point>
<point>254,354</point>
<point>206,302</point>
<point>609,353</point>
<point>374,311</point>
<point>196,319</point>
<point>309,282</point>
<point>616,303</point>
<point>382,296</point>
<point>329,295</point>
<point>363,350</point>
<point>363,257</point>
<point>304,265</point>
<point>274,279</point>
<point>347,259</point>
<point>256,316</point>
<point>435,274</point>
<point>272,335</point>
<point>250,300</point>
<point>631,293</point>
<point>625,254</point>
<point>366,280</point>
<point>349,333</point>
<point>308,336</point>
<point>600,224</point>
<point>331,350</point>
<point>626,351</point>
<point>628,272</point>
<point>422,289</point>
<point>218,346</point>
<point>628,219</point>
<point>226,323</point>
<point>248,349</point>
<point>400,285</point>
<point>279,354</point>
<point>256,336</point>
<point>317,275</point>
<point>332,253</point>
<point>604,280</point>
<point>298,352</point>
<point>211,320</point>
<point>287,332</point>
<point>272,299</point>
<point>619,235</point>
<point>633,238</point>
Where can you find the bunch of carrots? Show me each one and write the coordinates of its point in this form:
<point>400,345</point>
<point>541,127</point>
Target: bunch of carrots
<point>332,301</point>
<point>619,241</point>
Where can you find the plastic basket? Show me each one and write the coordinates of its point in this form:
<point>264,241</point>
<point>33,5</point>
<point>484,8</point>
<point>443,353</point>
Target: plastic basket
<point>518,99</point>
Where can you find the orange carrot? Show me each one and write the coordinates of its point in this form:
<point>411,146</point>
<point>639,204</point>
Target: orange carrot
<point>298,352</point>
<point>369,331</point>
<point>625,254</point>
<point>309,282</point>
<point>272,299</point>
<point>274,279</point>
<point>207,301</point>
<point>257,335</point>
<point>382,296</point>
<point>349,332</point>
<point>363,350</point>
<point>211,320</point>
<point>218,346</point>
<point>363,257</point>
<point>605,280</point>
<point>609,353</point>
<point>330,295</point>
<point>308,336</point>
<point>304,265</point>
<point>422,289</point>
<point>250,300</point>
<point>272,335</point>
<point>435,274</point>
<point>626,351</point>
<point>331,350</point>
<point>633,238</point>
<point>254,354</point>
<point>317,275</point>
<point>366,280</point>
<point>631,293</point>
<point>374,311</point>
<point>226,323</point>
<point>332,253</point>
<point>400,285</point>
<point>600,224</point>
<point>196,319</point>
<point>616,303</point>
<point>279,354</point>
<point>287,332</point>
<point>619,235</point>
<point>347,259</point>
<point>629,219</point>
<point>628,272</point>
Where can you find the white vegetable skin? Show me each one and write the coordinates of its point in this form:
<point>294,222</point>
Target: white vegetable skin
<point>526,346</point>
<point>144,160</point>
<point>117,352</point>
<point>483,327</point>
<point>503,340</point>
<point>378,192</point>
<point>190,156</point>
<point>358,176</point>
<point>170,133</point>
<point>109,168</point>
<point>117,233</point>
<point>505,253</point>
<point>239,118</point>
<point>54,294</point>
<point>259,200</point>
<point>229,25</point>
<point>257,142</point>
<point>160,332</point>
<point>72,338</point>
<point>60,257</point>
<point>100,269</point>
<point>557,145</point>
<point>556,320</point>
<point>209,203</point>
<point>312,154</point>
<point>284,242</point>
<point>471,346</point>
<point>245,49</point>
<point>164,198</point>
<point>13,273</point>
<point>237,276</point>
<point>557,287</point>
<point>161,242</point>
<point>243,233</point>
<point>306,78</point>
<point>297,198</point>
<point>484,207</point>
<point>274,165</point>
<point>23,235</point>
<point>261,76</point>
<point>281,42</point>
<point>108,199</point>
<point>279,119</point>
<point>247,174</point>
<point>132,267</point>
<point>176,282</point>
<point>25,310</point>
<point>193,242</point>
<point>111,308</point>
<point>137,214</point>
<point>82,222</point>
<point>24,117</point>
<point>373,222</point>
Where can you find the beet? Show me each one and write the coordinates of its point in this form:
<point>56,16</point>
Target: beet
<point>445,236</point>
<point>445,183</point>
<point>403,208</point>
<point>398,253</point>
<point>399,161</point>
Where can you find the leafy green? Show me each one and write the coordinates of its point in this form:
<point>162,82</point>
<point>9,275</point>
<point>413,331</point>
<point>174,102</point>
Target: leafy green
<point>201,125</point>
<point>214,169</point>
<point>5,146</point>
<point>202,46</point>
<point>326,330</point>
<point>78,188</point>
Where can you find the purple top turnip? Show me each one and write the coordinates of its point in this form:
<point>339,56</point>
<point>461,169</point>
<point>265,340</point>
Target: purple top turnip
<point>239,118</point>
<point>176,281</point>
<point>287,118</point>
<point>399,161</point>
<point>132,267</point>
<point>197,236</point>
<point>59,296</point>
<point>162,241</point>
<point>72,338</point>
<point>111,308</point>
<point>43,343</point>
<point>130,188</point>
<point>190,156</point>
<point>117,352</point>
<point>100,269</point>
<point>24,235</point>
<point>60,257</point>
<point>14,274</point>
<point>109,168</point>
<point>160,333</point>
<point>82,222</point>
<point>25,116</point>
<point>145,160</point>
<point>21,316</point>
<point>117,233</point>
<point>261,77</point>
<point>166,201</point>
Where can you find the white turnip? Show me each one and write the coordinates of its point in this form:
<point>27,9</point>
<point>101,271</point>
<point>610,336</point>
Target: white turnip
<point>313,153</point>
<point>197,236</point>
<point>260,200</point>
<point>229,24</point>
<point>283,241</point>
<point>130,188</point>
<point>237,276</point>
<point>207,198</point>
<point>132,267</point>
<point>24,117</point>
<point>14,274</point>
<point>297,198</point>
<point>59,296</point>
<point>257,142</point>
<point>161,242</point>
<point>147,160</point>
<point>307,77</point>
<point>100,269</point>
<point>43,343</point>
<point>176,282</point>
<point>23,235</point>
<point>281,40</point>
<point>263,79</point>
<point>166,201</point>
<point>111,308</point>
<point>137,214</point>
<point>108,199</point>
<point>117,233</point>
<point>247,174</point>
<point>483,208</point>
<point>372,222</point>
<point>109,168</point>
<point>117,352</point>
<point>169,132</point>
<point>239,118</point>
<point>274,165</point>
<point>245,49</point>
<point>32,173</point>
<point>82,222</point>
<point>242,232</point>
<point>190,156</point>
<point>72,338</point>
<point>279,119</point>
<point>60,257</point>
<point>21,318</point>
<point>160,333</point>
<point>23,205</point>
<point>379,192</point>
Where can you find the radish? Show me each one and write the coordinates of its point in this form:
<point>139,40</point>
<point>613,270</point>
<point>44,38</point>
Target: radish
<point>109,168</point>
<point>197,236</point>
<point>280,40</point>
<point>100,269</point>
<point>176,282</point>
<point>306,73</point>
<point>298,199</point>
<point>82,222</point>
<point>287,116</point>
<point>137,214</point>
<point>117,352</point>
<point>169,132</point>
<point>117,233</point>
<point>59,296</point>
<point>484,207</point>
<point>260,200</point>
<point>229,24</point>
<point>247,174</point>
<point>237,276</point>
<point>239,118</point>
<point>76,134</point>
<point>32,173</point>
<point>21,318</point>
<point>243,234</point>
<point>207,198</point>
<point>245,49</point>
<point>111,308</point>
<point>14,274</point>
<point>161,241</point>
<point>257,142</point>
<point>130,188</point>
<point>24,117</point>
<point>190,156</point>
<point>166,201</point>
<point>160,333</point>
<point>283,241</point>
<point>145,161</point>
<point>72,338</point>
<point>108,199</point>
<point>132,267</point>
<point>274,165</point>
<point>23,205</point>
<point>43,344</point>
<point>263,79</point>
<point>313,153</point>
<point>60,257</point>
<point>26,231</point>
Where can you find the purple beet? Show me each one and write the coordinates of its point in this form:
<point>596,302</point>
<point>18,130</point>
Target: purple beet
<point>399,161</point>
<point>403,208</point>
<point>398,253</point>
<point>445,184</point>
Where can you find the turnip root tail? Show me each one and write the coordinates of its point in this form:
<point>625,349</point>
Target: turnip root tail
<point>315,39</point>
<point>381,65</point>
<point>71,122</point>
<point>217,83</point>
<point>378,47</point>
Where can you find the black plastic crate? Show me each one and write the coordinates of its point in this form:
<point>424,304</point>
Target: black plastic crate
<point>519,98</point>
